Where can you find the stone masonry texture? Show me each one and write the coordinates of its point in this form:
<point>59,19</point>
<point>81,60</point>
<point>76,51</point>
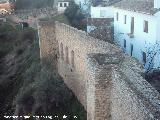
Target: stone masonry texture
<point>107,82</point>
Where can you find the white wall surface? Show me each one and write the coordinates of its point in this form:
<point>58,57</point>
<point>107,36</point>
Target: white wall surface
<point>141,41</point>
<point>158,25</point>
<point>157,4</point>
<point>102,12</point>
<point>62,9</point>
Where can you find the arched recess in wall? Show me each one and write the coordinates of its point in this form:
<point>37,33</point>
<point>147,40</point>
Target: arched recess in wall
<point>61,51</point>
<point>66,55</point>
<point>72,58</point>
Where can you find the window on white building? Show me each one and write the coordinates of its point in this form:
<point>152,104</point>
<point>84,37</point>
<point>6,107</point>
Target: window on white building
<point>125,19</point>
<point>131,49</point>
<point>145,26</point>
<point>117,16</point>
<point>124,44</point>
<point>102,13</point>
<point>65,4</point>
<point>144,57</point>
<point>132,25</point>
<point>60,5</point>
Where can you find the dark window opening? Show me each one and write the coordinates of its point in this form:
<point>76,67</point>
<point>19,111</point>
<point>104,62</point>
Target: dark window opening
<point>145,26</point>
<point>132,25</point>
<point>144,57</point>
<point>124,43</point>
<point>131,49</point>
<point>125,19</point>
<point>117,16</point>
<point>61,5</point>
<point>65,4</point>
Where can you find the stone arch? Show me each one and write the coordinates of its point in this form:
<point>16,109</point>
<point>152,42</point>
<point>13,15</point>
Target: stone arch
<point>72,58</point>
<point>66,54</point>
<point>61,51</point>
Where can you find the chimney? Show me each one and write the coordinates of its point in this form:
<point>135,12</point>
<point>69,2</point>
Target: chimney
<point>157,4</point>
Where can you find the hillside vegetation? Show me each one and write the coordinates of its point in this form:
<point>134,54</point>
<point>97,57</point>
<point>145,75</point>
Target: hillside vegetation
<point>27,88</point>
<point>30,4</point>
<point>75,16</point>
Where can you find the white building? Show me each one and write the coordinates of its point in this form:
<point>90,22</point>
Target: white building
<point>99,13</point>
<point>62,5</point>
<point>137,29</point>
<point>102,12</point>
<point>104,9</point>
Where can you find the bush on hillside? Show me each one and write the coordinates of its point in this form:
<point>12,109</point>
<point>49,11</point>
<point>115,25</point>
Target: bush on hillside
<point>25,83</point>
<point>6,27</point>
<point>7,33</point>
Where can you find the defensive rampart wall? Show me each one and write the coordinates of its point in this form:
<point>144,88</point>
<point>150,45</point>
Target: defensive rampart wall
<point>106,81</point>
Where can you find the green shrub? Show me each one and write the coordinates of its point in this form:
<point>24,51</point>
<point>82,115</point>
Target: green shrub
<point>5,28</point>
<point>75,16</point>
<point>7,34</point>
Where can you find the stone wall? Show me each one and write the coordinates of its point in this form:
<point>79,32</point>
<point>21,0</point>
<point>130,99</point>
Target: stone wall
<point>99,84</point>
<point>107,82</point>
<point>132,96</point>
<point>39,13</point>
<point>31,16</point>
<point>75,40</point>
<point>47,43</point>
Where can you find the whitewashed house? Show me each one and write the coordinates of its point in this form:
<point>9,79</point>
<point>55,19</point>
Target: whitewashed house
<point>99,13</point>
<point>137,29</point>
<point>62,5</point>
<point>102,12</point>
<point>104,9</point>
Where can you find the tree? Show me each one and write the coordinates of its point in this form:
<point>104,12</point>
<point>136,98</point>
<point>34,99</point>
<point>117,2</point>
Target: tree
<point>75,16</point>
<point>71,11</point>
<point>153,51</point>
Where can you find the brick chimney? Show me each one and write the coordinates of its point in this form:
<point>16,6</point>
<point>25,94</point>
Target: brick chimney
<point>157,4</point>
